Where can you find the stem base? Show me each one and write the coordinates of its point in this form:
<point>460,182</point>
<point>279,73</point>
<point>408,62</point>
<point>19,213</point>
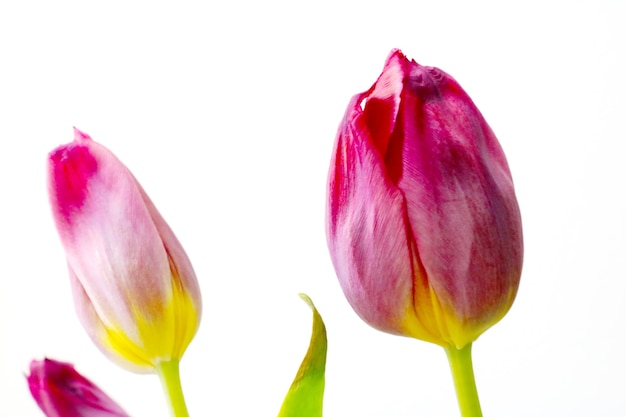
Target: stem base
<point>463,375</point>
<point>170,380</point>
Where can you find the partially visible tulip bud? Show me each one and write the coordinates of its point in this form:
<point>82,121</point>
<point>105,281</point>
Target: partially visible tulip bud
<point>60,391</point>
<point>423,224</point>
<point>134,288</point>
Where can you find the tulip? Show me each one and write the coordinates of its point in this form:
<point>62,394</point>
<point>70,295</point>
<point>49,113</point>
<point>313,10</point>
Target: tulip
<point>60,391</point>
<point>423,225</point>
<point>134,288</point>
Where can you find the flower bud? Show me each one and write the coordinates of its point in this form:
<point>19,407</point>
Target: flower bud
<point>423,225</point>
<point>134,288</point>
<point>60,391</point>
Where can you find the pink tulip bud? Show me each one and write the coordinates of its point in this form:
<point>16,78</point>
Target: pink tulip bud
<point>60,391</point>
<point>423,224</point>
<point>134,288</point>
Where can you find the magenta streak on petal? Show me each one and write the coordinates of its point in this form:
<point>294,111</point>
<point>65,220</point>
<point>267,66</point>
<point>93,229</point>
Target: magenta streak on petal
<point>383,99</point>
<point>72,165</point>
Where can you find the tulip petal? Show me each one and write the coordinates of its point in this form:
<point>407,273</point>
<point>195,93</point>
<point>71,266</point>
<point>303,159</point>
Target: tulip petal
<point>108,234</point>
<point>370,237</point>
<point>60,391</point>
<point>134,287</point>
<point>463,214</point>
<point>357,230</point>
<point>306,394</point>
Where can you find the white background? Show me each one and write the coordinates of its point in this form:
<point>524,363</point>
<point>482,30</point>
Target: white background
<point>226,112</point>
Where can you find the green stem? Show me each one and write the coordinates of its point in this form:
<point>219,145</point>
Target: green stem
<point>170,380</point>
<point>463,375</point>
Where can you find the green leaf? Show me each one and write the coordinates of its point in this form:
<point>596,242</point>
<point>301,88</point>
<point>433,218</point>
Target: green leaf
<point>306,395</point>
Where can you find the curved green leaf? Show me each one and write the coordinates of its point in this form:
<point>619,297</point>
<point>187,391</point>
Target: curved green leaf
<point>306,395</point>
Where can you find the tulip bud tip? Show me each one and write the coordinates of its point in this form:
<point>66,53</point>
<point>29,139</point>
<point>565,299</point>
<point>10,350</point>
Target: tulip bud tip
<point>78,135</point>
